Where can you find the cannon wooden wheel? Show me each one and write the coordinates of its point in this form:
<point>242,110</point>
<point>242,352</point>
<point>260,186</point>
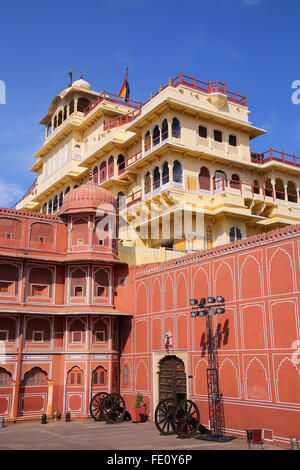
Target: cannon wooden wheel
<point>114,408</point>
<point>186,419</point>
<point>97,406</point>
<point>164,416</point>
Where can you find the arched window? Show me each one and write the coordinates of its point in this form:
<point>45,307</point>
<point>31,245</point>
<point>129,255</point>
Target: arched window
<point>78,283</point>
<point>75,186</point>
<point>65,112</point>
<point>176,130</point>
<point>147,183</point>
<point>204,179</point>
<point>67,190</point>
<point>95,175</point>
<point>110,167</point>
<point>34,377</point>
<point>99,376</point>
<point>77,152</point>
<point>235,181</point>
<point>61,198</point>
<point>147,141</point>
<point>103,172</point>
<point>220,180</point>
<point>121,163</point>
<point>256,187</point>
<point>60,118</point>
<point>101,283</point>
<point>291,192</point>
<point>5,378</point>
<point>268,188</point>
<point>44,210</point>
<point>54,123</point>
<point>40,282</point>
<point>156,178</point>
<point>72,107</point>
<point>156,135</point>
<point>235,234</point>
<point>82,104</point>
<point>75,375</point>
<point>121,200</point>
<point>177,172</point>
<point>165,173</point>
<point>279,189</point>
<point>50,207</point>
<point>164,130</point>
<point>55,203</point>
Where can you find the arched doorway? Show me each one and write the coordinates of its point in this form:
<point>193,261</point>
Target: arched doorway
<point>33,392</point>
<point>6,392</point>
<point>172,378</point>
<point>75,391</point>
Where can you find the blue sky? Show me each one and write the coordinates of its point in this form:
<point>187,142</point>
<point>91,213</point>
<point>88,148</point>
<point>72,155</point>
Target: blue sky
<point>252,45</point>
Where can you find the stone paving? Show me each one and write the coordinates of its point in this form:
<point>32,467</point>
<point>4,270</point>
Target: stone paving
<point>91,435</point>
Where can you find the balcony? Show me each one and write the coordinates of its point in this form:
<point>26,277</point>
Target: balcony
<point>267,202</point>
<point>272,155</point>
<point>111,98</point>
<point>121,119</point>
<point>128,201</point>
<point>31,191</point>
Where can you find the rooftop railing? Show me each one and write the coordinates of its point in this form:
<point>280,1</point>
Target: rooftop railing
<point>29,191</point>
<point>208,87</point>
<point>275,155</point>
<point>112,98</point>
<point>181,79</point>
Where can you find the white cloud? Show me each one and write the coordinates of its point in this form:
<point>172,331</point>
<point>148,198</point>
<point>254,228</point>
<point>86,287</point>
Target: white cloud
<point>9,193</point>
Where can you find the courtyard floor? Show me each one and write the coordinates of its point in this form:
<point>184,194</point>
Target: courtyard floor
<point>91,435</point>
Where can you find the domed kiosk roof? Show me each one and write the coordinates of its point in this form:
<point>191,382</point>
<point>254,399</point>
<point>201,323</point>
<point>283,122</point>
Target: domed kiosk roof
<point>81,84</point>
<point>88,198</point>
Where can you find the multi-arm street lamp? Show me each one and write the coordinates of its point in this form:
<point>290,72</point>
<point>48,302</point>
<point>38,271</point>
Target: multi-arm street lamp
<point>208,308</point>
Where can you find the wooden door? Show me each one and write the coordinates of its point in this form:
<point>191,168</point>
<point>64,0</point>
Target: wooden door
<point>172,378</point>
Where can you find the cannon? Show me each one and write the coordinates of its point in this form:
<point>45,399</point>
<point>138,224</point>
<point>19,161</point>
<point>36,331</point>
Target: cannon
<point>109,407</point>
<point>182,418</point>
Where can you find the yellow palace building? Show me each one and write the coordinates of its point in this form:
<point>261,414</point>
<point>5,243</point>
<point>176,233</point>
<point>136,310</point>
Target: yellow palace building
<point>180,165</point>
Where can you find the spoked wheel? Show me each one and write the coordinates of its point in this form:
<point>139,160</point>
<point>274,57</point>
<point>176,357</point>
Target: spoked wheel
<point>97,405</point>
<point>164,415</point>
<point>186,419</point>
<point>114,408</point>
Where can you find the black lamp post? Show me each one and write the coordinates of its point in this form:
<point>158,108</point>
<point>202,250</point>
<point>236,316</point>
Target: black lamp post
<point>208,308</point>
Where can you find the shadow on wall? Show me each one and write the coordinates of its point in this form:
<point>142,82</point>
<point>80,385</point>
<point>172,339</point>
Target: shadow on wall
<point>221,335</point>
<point>125,328</point>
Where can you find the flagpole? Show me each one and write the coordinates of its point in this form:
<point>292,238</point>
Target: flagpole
<point>127,91</point>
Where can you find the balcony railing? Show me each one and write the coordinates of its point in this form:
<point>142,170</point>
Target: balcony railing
<point>127,201</point>
<point>122,119</point>
<point>248,189</point>
<point>162,184</point>
<point>30,190</point>
<point>112,98</point>
<point>275,155</point>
